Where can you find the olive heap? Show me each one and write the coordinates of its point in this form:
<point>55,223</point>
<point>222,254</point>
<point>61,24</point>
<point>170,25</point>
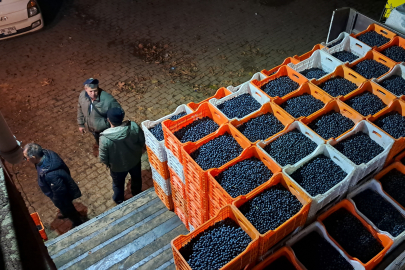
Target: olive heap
<point>393,123</point>
<point>280,87</point>
<point>395,84</point>
<point>394,184</point>
<point>366,103</point>
<point>281,263</point>
<point>244,176</point>
<point>196,130</point>
<point>370,68</point>
<point>319,175</point>
<point>359,148</point>
<point>224,237</point>
<point>351,235</point>
<point>313,73</point>
<point>261,127</point>
<point>271,208</point>
<point>331,125</point>
<point>316,253</point>
<point>303,105</point>
<point>372,38</point>
<point>157,130</point>
<point>217,152</point>
<point>334,43</point>
<point>396,53</point>
<point>338,86</point>
<point>382,213</point>
<point>290,148</point>
<point>345,56</point>
<point>239,106</point>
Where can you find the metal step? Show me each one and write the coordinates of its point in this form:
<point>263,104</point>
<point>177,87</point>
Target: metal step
<point>133,235</point>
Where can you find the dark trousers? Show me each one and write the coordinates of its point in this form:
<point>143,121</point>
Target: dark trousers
<point>68,210</point>
<point>118,184</point>
<point>96,136</point>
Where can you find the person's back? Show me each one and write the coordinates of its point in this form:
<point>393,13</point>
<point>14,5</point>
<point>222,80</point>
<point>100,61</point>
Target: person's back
<point>121,150</point>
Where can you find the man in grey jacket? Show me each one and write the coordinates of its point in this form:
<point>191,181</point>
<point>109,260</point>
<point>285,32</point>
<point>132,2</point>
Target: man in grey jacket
<point>121,150</point>
<point>92,110</point>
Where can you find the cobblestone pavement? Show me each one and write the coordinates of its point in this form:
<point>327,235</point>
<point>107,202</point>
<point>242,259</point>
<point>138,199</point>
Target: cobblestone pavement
<point>166,52</point>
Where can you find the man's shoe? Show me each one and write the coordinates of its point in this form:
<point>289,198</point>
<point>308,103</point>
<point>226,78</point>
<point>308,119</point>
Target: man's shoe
<point>61,216</point>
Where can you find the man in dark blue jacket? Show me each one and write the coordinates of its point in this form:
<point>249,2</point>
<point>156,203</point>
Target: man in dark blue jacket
<point>55,181</point>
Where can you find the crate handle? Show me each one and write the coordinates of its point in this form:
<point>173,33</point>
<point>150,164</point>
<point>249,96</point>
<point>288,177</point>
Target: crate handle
<point>382,59</point>
<point>258,94</point>
<point>294,188</point>
<point>335,157</point>
<point>352,75</point>
<point>296,75</point>
<point>306,132</point>
<point>347,111</point>
<point>376,133</point>
<point>378,90</point>
<point>357,44</point>
<point>384,32</point>
<point>329,59</point>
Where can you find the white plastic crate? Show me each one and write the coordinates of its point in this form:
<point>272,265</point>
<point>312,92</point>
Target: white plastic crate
<point>246,88</point>
<point>175,165</point>
<point>317,227</point>
<point>322,200</point>
<point>158,147</point>
<point>301,128</point>
<point>352,45</point>
<point>376,186</point>
<point>368,170</point>
<point>319,59</point>
<point>398,70</point>
<point>340,37</point>
<point>163,183</point>
<point>257,76</point>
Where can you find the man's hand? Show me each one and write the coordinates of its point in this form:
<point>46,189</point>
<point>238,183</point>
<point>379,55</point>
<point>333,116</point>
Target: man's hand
<point>82,130</point>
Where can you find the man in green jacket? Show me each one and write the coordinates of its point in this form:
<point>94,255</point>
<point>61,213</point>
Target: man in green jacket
<point>92,110</point>
<point>121,150</point>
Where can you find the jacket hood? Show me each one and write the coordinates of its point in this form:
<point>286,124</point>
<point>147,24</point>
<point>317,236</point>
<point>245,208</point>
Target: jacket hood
<point>51,162</point>
<point>117,133</point>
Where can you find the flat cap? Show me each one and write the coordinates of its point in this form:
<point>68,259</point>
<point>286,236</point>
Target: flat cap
<point>91,81</point>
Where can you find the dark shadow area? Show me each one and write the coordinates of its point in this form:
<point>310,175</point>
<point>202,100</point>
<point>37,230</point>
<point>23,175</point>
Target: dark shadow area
<point>147,183</point>
<point>62,226</point>
<point>53,10</point>
<point>275,3</point>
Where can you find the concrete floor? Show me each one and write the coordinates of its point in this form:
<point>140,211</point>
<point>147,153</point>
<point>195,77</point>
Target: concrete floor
<point>152,55</point>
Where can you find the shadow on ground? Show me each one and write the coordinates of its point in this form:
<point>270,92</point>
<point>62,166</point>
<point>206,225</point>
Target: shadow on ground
<point>52,10</point>
<point>60,226</point>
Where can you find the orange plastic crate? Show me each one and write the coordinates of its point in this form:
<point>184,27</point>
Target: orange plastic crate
<point>283,71</point>
<point>221,92</point>
<point>384,240</point>
<point>160,167</point>
<point>35,217</point>
<point>337,106</point>
<point>182,216</point>
<point>396,41</point>
<point>217,194</point>
<point>399,167</point>
<point>178,191</point>
<point>380,30</point>
<point>284,251</point>
<point>249,255</point>
<point>399,144</point>
<point>306,88</point>
<point>343,72</point>
<point>308,54</point>
<point>399,157</point>
<point>386,96</point>
<point>270,107</point>
<point>197,205</point>
<point>167,200</point>
<point>374,55</point>
<point>270,238</point>
<point>170,127</point>
<point>275,69</point>
<point>195,176</point>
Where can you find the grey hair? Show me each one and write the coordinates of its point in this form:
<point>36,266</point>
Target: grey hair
<point>34,150</point>
<point>92,86</point>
